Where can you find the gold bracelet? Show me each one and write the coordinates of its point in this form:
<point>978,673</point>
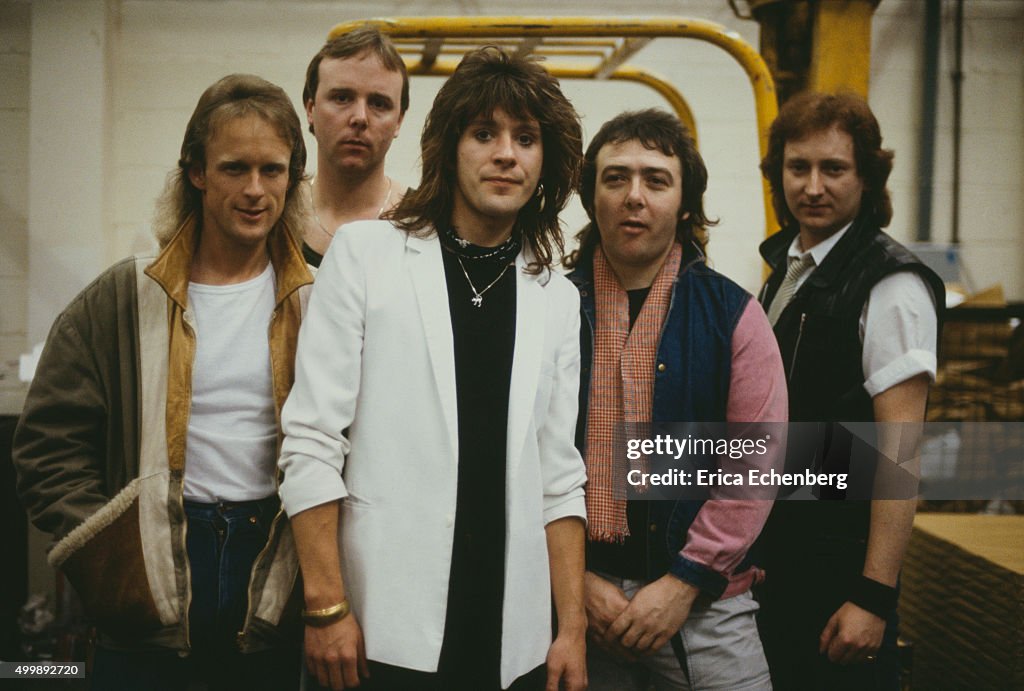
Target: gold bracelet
<point>327,615</point>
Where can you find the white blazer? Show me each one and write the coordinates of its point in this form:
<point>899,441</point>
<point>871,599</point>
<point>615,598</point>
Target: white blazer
<point>376,361</point>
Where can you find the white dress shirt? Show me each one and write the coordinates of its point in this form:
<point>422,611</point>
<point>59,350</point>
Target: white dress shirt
<point>898,326</point>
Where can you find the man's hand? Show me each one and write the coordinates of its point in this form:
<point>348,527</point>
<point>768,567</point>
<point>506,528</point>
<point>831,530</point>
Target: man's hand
<point>604,602</point>
<point>654,615</point>
<point>567,662</point>
<point>852,635</point>
<point>335,654</point>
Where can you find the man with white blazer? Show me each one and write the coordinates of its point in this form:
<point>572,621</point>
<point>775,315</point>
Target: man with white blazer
<point>429,465</point>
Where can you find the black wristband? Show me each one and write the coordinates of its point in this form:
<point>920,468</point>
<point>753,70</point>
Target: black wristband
<point>875,597</point>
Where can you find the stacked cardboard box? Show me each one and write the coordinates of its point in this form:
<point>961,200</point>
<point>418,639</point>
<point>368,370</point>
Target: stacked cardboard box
<point>962,601</point>
<point>980,373</point>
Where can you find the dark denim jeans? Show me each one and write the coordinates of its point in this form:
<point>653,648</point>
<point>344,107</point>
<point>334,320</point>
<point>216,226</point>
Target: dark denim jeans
<point>223,541</point>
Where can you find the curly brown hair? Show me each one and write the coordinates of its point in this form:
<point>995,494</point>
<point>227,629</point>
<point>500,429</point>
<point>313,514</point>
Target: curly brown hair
<point>811,112</point>
<point>488,79</point>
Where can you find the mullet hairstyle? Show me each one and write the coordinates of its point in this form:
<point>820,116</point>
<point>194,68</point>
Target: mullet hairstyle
<point>488,79</point>
<point>657,131</point>
<point>234,96</point>
<point>365,39</point>
<point>809,113</point>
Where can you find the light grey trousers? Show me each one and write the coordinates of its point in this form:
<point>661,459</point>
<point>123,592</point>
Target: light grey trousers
<point>717,649</point>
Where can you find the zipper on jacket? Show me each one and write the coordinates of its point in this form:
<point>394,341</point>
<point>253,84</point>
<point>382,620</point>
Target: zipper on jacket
<point>668,313</point>
<point>188,570</point>
<point>796,348</point>
<point>242,636</point>
<point>181,500</point>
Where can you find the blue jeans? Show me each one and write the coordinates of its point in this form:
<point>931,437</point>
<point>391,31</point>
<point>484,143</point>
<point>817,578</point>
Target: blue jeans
<point>223,541</point>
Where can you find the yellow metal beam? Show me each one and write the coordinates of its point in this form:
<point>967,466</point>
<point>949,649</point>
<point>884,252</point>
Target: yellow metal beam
<point>841,50</point>
<point>622,53</point>
<point>668,92</point>
<point>501,29</point>
<point>629,73</point>
<point>528,46</point>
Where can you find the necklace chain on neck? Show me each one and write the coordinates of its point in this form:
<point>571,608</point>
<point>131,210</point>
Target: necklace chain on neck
<point>478,295</point>
<point>316,216</point>
<point>456,244</point>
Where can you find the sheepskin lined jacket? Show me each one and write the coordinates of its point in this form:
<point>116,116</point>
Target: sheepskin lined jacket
<point>100,448</point>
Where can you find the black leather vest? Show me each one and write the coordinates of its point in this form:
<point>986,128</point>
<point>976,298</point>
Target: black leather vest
<point>818,330</point>
<point>818,335</point>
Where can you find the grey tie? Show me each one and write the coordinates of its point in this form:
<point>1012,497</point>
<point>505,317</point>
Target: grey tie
<point>796,269</point>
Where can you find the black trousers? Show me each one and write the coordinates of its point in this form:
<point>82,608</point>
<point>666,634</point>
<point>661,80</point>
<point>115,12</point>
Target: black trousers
<point>809,575</point>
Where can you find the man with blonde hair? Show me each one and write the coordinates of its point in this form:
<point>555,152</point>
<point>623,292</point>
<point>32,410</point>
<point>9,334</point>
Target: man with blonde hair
<point>148,440</point>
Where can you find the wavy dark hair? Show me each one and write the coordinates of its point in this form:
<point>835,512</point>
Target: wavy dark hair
<point>365,39</point>
<point>233,96</point>
<point>811,112</point>
<point>656,130</point>
<point>488,79</point>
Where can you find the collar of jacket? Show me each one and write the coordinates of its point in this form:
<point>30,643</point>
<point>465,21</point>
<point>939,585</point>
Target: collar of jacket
<point>173,266</point>
<point>775,249</point>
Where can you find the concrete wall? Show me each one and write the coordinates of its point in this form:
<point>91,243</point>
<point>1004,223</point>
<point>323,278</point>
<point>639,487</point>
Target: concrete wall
<point>15,38</point>
<point>992,144</point>
<point>95,94</point>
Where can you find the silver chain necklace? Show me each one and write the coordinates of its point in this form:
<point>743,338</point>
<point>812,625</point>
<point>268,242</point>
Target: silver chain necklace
<point>478,295</point>
<point>316,216</point>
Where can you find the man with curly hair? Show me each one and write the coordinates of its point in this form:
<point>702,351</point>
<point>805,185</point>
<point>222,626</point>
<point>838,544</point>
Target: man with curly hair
<point>429,466</point>
<point>855,315</point>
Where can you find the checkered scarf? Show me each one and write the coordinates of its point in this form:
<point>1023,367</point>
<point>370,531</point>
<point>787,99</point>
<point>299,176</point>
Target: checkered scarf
<point>622,384</point>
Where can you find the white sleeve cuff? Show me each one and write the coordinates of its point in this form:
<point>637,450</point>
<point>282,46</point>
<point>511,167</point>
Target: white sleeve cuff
<point>571,505</point>
<point>907,366</point>
<point>308,483</point>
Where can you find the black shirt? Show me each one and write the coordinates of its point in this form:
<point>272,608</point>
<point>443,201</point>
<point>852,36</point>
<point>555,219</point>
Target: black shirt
<point>484,339</point>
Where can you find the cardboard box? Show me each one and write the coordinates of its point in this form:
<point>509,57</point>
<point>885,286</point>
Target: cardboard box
<point>962,601</point>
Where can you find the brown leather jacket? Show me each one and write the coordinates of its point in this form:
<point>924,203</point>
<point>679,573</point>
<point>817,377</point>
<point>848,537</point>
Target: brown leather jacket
<point>100,448</point>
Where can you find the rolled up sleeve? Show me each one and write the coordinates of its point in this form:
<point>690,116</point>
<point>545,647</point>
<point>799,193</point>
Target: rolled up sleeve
<point>562,469</point>
<point>899,332</point>
<point>322,401</point>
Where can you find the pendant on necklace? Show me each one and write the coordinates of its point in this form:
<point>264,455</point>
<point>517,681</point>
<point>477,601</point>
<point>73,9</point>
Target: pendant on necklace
<point>477,300</point>
<point>462,243</point>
